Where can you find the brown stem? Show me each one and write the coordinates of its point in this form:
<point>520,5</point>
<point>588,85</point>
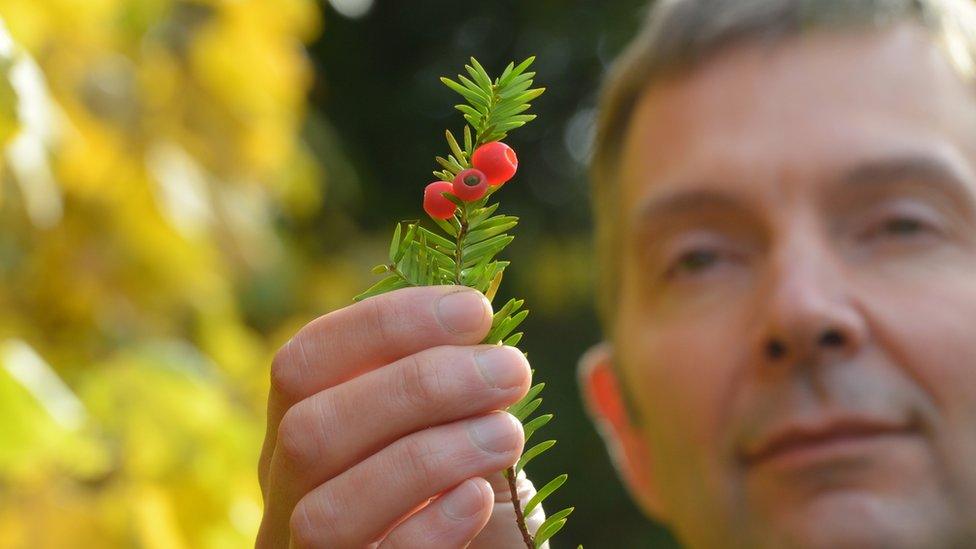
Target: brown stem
<point>458,252</point>
<point>519,518</point>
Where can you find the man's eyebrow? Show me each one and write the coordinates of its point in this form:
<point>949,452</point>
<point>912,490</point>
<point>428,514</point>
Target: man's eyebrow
<point>920,167</point>
<point>667,205</point>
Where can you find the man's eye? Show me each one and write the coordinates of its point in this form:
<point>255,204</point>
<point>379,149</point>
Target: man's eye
<point>692,262</point>
<point>903,226</point>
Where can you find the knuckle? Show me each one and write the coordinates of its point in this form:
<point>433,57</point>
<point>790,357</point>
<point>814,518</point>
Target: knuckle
<point>279,369</point>
<point>424,530</point>
<point>399,317</point>
<point>312,524</point>
<point>302,533</point>
<point>421,460</point>
<point>283,370</point>
<point>420,383</point>
<point>322,434</point>
<point>377,320</point>
<point>437,532</point>
<point>292,445</point>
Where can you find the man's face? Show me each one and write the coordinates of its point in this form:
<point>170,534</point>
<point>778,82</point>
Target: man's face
<point>799,257</point>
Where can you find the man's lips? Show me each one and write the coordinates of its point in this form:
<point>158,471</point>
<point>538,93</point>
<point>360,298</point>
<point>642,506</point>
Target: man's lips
<point>811,440</point>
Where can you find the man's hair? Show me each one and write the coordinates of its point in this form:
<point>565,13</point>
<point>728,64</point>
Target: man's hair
<point>678,35</point>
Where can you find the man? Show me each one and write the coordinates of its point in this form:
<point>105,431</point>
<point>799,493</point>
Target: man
<point>785,194</point>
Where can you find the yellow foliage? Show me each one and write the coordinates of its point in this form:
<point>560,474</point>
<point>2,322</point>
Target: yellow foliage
<point>149,146</point>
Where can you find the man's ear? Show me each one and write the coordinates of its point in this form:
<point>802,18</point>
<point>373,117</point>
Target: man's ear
<point>604,400</point>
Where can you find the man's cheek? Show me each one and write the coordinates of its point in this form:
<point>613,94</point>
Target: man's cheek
<point>688,381</point>
<point>931,334</point>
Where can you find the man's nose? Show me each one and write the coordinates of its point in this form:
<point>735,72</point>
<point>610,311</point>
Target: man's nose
<point>808,316</point>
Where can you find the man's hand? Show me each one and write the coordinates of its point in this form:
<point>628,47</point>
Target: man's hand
<point>380,407</point>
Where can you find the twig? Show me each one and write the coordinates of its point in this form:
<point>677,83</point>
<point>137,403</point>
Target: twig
<point>519,518</point>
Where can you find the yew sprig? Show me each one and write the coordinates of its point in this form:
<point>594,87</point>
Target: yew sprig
<point>470,237</point>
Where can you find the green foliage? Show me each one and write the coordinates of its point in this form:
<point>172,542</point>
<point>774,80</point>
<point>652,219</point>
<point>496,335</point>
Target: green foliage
<point>493,108</point>
<point>421,257</point>
<point>535,424</point>
<point>552,525</point>
<point>472,240</point>
<point>549,488</point>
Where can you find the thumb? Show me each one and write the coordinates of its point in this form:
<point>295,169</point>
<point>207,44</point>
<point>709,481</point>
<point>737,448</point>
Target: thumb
<point>502,529</point>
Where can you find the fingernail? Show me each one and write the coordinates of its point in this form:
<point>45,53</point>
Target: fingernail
<point>503,367</point>
<point>462,312</point>
<point>496,433</point>
<point>465,501</point>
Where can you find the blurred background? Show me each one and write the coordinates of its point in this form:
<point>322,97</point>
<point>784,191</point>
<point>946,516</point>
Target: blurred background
<point>186,183</point>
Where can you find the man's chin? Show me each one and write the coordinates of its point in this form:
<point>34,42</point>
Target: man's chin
<point>853,518</point>
<point>878,493</point>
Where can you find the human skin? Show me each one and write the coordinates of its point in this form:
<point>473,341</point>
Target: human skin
<point>386,428</point>
<point>846,237</point>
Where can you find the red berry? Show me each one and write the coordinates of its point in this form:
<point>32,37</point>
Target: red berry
<point>470,184</point>
<point>497,160</point>
<point>435,204</point>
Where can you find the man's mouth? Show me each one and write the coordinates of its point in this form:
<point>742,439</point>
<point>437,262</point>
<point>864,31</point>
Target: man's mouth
<point>799,445</point>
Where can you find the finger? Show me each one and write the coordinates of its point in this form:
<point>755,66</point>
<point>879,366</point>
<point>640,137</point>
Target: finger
<point>355,507</point>
<point>329,432</point>
<point>376,331</point>
<point>452,520</point>
<point>500,526</point>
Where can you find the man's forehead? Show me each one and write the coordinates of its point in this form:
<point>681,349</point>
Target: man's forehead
<point>868,60</point>
<point>817,108</point>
